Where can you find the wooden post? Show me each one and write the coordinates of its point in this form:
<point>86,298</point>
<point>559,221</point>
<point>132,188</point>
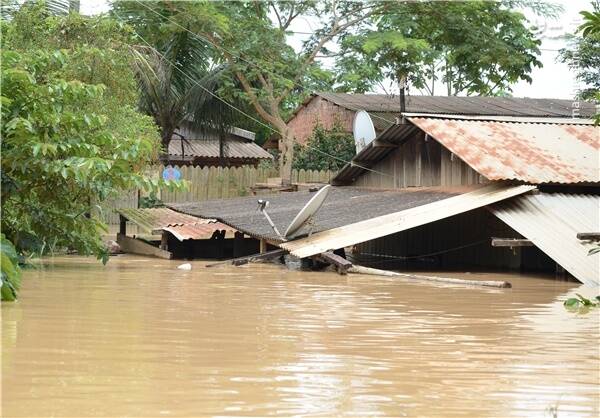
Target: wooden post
<point>122,225</point>
<point>377,272</point>
<point>238,244</point>
<point>263,246</point>
<point>164,239</point>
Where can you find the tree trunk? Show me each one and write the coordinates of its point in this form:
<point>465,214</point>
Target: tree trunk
<point>286,157</point>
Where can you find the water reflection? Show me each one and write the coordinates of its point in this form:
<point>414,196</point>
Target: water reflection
<point>140,338</point>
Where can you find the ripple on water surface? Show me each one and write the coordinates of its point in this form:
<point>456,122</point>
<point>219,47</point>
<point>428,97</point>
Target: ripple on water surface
<point>140,338</point>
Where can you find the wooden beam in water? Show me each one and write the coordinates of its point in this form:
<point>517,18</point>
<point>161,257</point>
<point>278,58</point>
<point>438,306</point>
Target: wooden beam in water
<point>486,283</point>
<point>341,264</point>
<point>251,258</point>
<point>511,242</point>
<point>137,246</point>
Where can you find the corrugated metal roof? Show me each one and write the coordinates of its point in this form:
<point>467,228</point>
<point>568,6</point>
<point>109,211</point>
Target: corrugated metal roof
<point>209,148</point>
<point>507,106</point>
<point>551,221</point>
<point>199,231</point>
<point>344,205</point>
<point>371,154</point>
<point>379,226</point>
<point>182,226</point>
<point>532,152</point>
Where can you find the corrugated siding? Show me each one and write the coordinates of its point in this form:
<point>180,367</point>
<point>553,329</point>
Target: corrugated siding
<point>500,106</point>
<point>532,152</point>
<point>210,148</point>
<point>551,221</point>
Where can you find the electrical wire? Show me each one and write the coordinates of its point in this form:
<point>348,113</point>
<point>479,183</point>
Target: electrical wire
<point>236,55</point>
<point>412,257</point>
<point>249,116</point>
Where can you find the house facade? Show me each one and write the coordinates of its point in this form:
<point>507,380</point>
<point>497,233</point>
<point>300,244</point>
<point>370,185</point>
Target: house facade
<point>328,109</point>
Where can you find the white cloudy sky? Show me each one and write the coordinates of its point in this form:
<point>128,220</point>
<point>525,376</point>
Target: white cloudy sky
<point>553,80</point>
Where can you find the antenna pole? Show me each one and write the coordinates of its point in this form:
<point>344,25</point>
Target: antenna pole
<point>262,205</point>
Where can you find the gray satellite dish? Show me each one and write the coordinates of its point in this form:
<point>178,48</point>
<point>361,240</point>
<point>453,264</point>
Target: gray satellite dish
<point>308,211</point>
<point>305,216</point>
<point>363,130</point>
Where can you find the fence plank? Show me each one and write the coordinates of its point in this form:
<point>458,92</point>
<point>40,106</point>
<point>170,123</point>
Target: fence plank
<point>207,183</point>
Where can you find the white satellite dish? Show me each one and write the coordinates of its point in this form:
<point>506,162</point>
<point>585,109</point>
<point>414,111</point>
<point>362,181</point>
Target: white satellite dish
<point>363,130</point>
<point>308,211</point>
<point>305,216</point>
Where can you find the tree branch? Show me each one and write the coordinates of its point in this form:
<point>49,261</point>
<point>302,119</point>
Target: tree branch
<point>254,99</point>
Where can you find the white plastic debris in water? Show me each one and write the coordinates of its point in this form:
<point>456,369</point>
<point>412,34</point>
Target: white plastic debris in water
<point>186,266</point>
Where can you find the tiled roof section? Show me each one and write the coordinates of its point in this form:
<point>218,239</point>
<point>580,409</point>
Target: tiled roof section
<point>210,148</point>
<point>343,205</point>
<point>501,106</point>
<point>531,152</point>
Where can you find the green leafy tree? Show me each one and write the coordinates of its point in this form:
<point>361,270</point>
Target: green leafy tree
<point>474,47</point>
<point>321,146</point>
<point>252,38</point>
<point>10,272</point>
<point>177,71</point>
<point>583,56</point>
<point>71,132</point>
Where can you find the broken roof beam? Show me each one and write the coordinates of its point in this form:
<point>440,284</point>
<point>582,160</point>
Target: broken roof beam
<point>384,225</point>
<point>269,255</point>
<point>511,242</point>
<point>588,236</point>
<point>341,264</point>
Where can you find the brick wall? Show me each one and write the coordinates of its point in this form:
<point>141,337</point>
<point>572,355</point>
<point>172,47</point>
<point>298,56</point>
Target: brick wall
<point>319,110</point>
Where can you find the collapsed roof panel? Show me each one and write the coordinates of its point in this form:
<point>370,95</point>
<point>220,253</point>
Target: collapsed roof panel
<point>552,221</point>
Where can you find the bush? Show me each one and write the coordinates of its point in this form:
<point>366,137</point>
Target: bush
<point>325,149</point>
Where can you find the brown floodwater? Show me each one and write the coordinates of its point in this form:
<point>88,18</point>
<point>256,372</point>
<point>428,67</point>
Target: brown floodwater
<point>140,338</point>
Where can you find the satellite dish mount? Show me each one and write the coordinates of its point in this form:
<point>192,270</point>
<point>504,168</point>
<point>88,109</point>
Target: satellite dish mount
<point>306,215</point>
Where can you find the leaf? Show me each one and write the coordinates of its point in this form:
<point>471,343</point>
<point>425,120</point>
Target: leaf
<point>572,303</point>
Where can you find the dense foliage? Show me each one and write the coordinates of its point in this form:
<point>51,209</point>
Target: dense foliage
<point>10,272</point>
<point>325,149</point>
<point>71,132</point>
<point>583,57</point>
<point>473,47</point>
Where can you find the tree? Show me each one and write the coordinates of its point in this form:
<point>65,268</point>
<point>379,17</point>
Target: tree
<point>71,133</point>
<point>583,56</point>
<point>475,47</point>
<point>266,72</point>
<point>178,75</point>
<point>321,146</point>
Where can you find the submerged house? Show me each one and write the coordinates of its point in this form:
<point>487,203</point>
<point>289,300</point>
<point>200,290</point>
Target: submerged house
<point>441,191</point>
<point>237,148</point>
<point>329,108</point>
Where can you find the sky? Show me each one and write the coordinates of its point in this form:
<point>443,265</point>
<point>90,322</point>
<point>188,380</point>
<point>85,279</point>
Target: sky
<point>553,80</point>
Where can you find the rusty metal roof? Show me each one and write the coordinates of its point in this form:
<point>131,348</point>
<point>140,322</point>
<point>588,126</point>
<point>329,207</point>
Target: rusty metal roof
<point>209,148</point>
<point>531,152</point>
<point>182,226</point>
<point>199,231</point>
<point>551,221</point>
<point>475,105</point>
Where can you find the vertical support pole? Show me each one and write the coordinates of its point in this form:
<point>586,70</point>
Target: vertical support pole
<point>122,225</point>
<point>238,244</point>
<point>263,246</point>
<point>164,240</point>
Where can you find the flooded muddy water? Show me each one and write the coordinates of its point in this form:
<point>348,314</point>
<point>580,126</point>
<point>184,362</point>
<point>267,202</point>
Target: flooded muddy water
<point>140,338</point>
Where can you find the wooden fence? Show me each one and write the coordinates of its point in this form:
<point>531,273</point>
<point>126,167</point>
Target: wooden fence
<point>206,183</point>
